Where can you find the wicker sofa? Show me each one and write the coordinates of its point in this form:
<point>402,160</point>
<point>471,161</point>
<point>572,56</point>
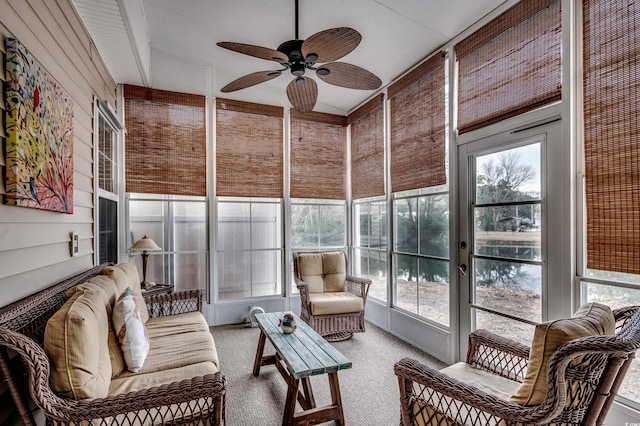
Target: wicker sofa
<point>75,368</point>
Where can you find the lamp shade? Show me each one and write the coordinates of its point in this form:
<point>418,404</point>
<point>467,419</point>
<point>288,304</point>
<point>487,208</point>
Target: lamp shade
<point>145,244</point>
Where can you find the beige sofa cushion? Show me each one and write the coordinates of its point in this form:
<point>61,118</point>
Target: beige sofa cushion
<point>338,302</point>
<point>126,275</point>
<point>108,287</point>
<point>591,319</point>
<point>177,341</point>
<point>76,342</point>
<point>134,382</point>
<point>145,381</point>
<point>323,271</point>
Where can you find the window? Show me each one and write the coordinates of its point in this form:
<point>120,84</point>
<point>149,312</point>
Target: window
<point>107,230</point>
<point>370,245</point>
<point>420,191</point>
<point>249,248</point>
<point>107,133</point>
<point>421,253</point>
<point>318,225</point>
<point>179,226</point>
<point>611,273</point>
<point>507,264</point>
<point>249,186</point>
<point>166,173</point>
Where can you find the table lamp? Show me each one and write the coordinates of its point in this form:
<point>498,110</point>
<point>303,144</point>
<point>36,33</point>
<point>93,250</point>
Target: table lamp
<point>145,245</point>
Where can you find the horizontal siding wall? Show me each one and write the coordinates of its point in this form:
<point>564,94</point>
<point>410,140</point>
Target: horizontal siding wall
<point>34,244</point>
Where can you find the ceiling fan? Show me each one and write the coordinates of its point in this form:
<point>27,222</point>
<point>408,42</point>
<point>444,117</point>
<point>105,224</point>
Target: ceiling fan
<point>298,56</point>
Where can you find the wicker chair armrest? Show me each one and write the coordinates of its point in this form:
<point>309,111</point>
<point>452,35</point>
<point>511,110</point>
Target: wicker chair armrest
<point>358,286</point>
<point>449,397</point>
<point>174,303</point>
<point>67,410</point>
<point>303,288</point>
<point>498,354</point>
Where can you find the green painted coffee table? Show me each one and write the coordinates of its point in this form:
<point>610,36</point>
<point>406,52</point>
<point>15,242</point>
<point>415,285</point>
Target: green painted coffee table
<point>300,355</point>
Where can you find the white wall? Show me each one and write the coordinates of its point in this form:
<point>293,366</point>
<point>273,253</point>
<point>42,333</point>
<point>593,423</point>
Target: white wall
<point>34,244</point>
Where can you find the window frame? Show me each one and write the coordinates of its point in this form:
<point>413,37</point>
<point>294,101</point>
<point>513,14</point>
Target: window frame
<point>279,266</point>
<point>168,220</point>
<point>417,194</point>
<point>103,110</point>
<point>382,251</point>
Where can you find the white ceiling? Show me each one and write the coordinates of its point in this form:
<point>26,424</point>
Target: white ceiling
<point>171,45</point>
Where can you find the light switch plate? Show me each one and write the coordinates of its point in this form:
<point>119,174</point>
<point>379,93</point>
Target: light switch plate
<point>75,244</point>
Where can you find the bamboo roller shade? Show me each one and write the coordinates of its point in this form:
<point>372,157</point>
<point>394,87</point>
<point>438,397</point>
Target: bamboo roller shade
<point>367,149</point>
<point>611,84</point>
<point>318,156</point>
<point>417,127</point>
<point>2,127</point>
<point>511,65</point>
<point>165,150</point>
<point>249,149</point>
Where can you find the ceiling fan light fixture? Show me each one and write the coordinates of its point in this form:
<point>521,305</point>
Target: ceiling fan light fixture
<point>299,81</point>
<point>311,58</point>
<point>323,71</point>
<point>297,68</point>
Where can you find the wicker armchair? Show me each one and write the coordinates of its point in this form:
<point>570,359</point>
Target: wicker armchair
<point>332,301</point>
<point>583,378</point>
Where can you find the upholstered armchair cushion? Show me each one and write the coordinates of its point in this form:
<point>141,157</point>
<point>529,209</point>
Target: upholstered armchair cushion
<point>324,272</point>
<point>591,319</point>
<point>337,302</point>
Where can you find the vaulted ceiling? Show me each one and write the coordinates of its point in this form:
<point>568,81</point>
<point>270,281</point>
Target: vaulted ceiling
<point>171,45</point>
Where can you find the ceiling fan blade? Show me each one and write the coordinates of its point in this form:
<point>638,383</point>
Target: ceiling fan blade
<point>349,76</point>
<point>250,80</point>
<point>331,45</point>
<point>303,94</point>
<point>255,51</point>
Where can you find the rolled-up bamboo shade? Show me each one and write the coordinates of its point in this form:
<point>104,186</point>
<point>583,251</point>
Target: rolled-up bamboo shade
<point>249,149</point>
<point>367,149</point>
<point>417,127</point>
<point>511,65</point>
<point>611,85</point>
<point>318,156</point>
<point>3,135</point>
<point>165,151</point>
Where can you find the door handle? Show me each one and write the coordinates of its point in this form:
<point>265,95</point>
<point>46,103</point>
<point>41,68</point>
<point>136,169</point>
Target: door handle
<point>463,269</point>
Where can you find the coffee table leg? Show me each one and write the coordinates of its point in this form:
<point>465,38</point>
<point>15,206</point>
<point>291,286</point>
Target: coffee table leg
<point>259,352</point>
<point>292,397</point>
<point>307,401</point>
<point>334,385</point>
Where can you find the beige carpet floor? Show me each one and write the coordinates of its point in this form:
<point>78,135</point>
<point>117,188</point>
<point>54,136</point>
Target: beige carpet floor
<point>369,389</point>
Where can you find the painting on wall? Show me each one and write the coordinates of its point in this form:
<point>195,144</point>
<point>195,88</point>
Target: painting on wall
<point>39,130</point>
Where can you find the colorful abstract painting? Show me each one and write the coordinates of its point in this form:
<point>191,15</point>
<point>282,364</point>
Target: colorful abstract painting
<point>39,145</point>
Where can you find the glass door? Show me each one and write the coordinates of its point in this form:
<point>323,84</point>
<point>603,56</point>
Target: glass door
<point>503,228</point>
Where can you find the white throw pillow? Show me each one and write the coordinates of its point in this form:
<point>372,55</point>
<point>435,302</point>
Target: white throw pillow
<point>132,334</point>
